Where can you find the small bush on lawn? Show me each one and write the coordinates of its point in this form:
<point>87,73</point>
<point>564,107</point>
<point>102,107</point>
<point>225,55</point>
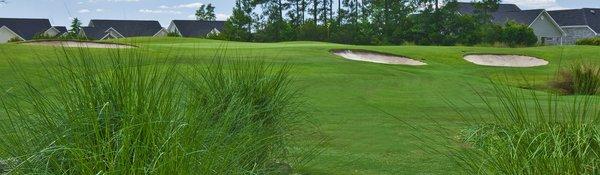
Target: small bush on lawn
<point>126,113</point>
<point>531,135</point>
<point>589,41</point>
<point>581,79</point>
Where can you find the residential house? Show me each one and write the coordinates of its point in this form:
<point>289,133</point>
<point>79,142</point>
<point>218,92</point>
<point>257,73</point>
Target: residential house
<point>578,23</point>
<point>56,31</point>
<point>104,29</point>
<point>196,28</point>
<point>22,28</point>
<point>544,26</point>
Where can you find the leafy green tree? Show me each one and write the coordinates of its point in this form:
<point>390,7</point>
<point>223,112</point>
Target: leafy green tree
<point>484,8</point>
<point>515,34</point>
<point>206,13</point>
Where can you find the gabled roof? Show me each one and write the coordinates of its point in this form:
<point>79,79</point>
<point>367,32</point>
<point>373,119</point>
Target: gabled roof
<point>197,28</point>
<point>504,13</point>
<point>469,8</point>
<point>524,17</point>
<point>61,29</point>
<point>128,28</point>
<point>93,32</point>
<point>26,28</point>
<point>578,17</point>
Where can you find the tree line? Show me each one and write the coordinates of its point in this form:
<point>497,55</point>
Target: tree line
<point>374,22</point>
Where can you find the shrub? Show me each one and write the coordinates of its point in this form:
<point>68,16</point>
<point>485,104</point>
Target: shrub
<point>42,36</point>
<point>126,113</point>
<point>15,39</point>
<point>589,41</point>
<point>531,135</point>
<point>581,79</point>
<point>173,34</point>
<point>515,34</point>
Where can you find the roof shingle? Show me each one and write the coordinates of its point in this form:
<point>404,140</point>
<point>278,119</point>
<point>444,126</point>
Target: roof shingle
<point>578,17</point>
<point>504,13</point>
<point>197,28</point>
<point>128,28</point>
<point>26,28</point>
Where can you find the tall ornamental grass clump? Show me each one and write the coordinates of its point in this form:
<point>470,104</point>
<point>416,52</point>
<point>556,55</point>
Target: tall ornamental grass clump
<point>581,79</point>
<point>126,112</point>
<point>528,134</point>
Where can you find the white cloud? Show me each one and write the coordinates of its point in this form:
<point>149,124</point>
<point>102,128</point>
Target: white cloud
<point>222,17</point>
<point>190,5</point>
<point>159,11</point>
<point>99,10</point>
<point>84,11</point>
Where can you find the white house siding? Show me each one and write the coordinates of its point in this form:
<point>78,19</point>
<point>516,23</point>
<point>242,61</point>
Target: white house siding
<point>6,35</point>
<point>161,33</point>
<point>51,32</point>
<point>577,33</point>
<point>172,28</point>
<point>114,33</point>
<point>544,28</point>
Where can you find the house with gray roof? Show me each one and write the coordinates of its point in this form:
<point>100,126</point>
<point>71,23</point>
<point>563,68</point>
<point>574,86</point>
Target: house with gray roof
<point>22,28</point>
<point>544,26</point>
<point>56,31</point>
<point>105,29</point>
<point>196,28</point>
<point>578,23</point>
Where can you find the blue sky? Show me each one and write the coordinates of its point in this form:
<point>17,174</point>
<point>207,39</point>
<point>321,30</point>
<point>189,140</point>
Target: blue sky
<point>60,12</point>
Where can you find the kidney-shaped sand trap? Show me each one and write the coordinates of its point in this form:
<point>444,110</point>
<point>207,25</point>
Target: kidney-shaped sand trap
<point>79,44</point>
<point>505,60</point>
<point>376,57</point>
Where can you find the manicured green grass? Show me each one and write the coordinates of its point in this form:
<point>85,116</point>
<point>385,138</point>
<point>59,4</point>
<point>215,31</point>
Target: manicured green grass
<point>351,101</point>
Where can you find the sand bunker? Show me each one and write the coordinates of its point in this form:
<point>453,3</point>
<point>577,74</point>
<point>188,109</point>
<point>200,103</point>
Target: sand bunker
<point>377,57</point>
<point>506,60</point>
<point>79,44</point>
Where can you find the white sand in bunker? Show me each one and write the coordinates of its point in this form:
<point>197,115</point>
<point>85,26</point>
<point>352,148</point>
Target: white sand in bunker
<point>505,60</point>
<point>377,57</point>
<point>79,44</point>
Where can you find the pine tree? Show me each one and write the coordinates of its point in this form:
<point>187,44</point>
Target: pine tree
<point>75,27</point>
<point>239,26</point>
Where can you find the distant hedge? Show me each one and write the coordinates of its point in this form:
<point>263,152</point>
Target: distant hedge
<point>589,41</point>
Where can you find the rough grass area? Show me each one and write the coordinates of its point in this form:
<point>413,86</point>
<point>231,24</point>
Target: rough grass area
<point>579,79</point>
<point>347,98</point>
<point>127,112</point>
<point>544,135</point>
